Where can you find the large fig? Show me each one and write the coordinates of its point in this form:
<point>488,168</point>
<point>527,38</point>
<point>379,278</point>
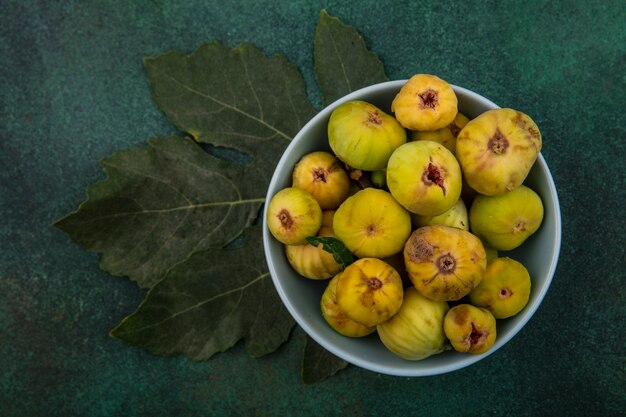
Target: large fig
<point>444,263</point>
<point>416,331</point>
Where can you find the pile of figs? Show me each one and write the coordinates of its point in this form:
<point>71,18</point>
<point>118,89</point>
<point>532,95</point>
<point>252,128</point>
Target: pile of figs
<point>395,192</point>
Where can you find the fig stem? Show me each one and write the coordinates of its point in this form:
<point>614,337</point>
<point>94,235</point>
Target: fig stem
<point>358,178</point>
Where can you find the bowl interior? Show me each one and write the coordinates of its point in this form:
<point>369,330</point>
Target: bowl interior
<point>301,296</point>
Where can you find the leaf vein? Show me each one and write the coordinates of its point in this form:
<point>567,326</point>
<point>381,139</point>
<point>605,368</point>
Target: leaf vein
<point>231,107</point>
<point>197,305</point>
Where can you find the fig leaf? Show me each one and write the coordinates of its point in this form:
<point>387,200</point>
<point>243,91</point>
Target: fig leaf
<point>318,363</point>
<point>209,302</point>
<point>335,247</point>
<point>342,61</point>
<point>162,202</point>
<point>233,97</point>
<point>167,214</point>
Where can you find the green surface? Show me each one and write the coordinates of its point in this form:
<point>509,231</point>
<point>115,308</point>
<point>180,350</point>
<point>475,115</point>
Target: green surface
<point>73,90</point>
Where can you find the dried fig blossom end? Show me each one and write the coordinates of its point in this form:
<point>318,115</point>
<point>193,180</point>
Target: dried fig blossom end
<point>373,117</point>
<point>319,174</point>
<point>446,264</point>
<point>498,143</point>
<point>476,336</point>
<point>432,176</point>
<point>454,129</point>
<point>285,219</point>
<point>505,293</point>
<point>374,283</point>
<point>519,227</point>
<point>429,99</point>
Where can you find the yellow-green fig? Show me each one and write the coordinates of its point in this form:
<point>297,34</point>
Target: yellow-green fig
<point>444,263</point>
<point>425,102</point>
<point>379,178</point>
<point>322,175</point>
<point>504,289</point>
<point>369,291</point>
<point>446,135</point>
<point>363,136</point>
<point>372,224</point>
<point>313,261</point>
<point>415,332</point>
<point>293,215</point>
<point>505,221</point>
<point>470,329</point>
<point>336,318</point>
<point>424,177</point>
<point>455,216</point>
<point>497,149</point>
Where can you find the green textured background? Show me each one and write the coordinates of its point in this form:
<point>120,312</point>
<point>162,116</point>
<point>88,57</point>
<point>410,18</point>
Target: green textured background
<point>73,90</point>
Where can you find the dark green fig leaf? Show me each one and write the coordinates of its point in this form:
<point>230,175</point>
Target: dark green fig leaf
<point>318,363</point>
<point>234,97</point>
<point>160,203</point>
<point>209,302</point>
<point>335,247</point>
<point>342,61</point>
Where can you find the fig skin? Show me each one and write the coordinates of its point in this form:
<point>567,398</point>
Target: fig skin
<point>312,261</point>
<point>470,329</point>
<point>369,291</point>
<point>415,332</point>
<point>424,177</point>
<point>363,136</point>
<point>446,135</point>
<point>425,102</point>
<point>379,179</point>
<point>333,315</point>
<point>372,224</point>
<point>504,289</point>
<point>497,149</point>
<point>504,222</point>
<point>456,216</point>
<point>444,263</point>
<point>321,174</point>
<point>293,215</point>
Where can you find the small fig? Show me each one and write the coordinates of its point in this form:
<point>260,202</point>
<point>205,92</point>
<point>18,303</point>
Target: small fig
<point>372,224</point>
<point>455,216</point>
<point>293,215</point>
<point>470,329</point>
<point>425,102</point>
<point>424,177</point>
<point>444,263</point>
<point>312,261</point>
<point>416,331</point>
<point>505,221</point>
<point>497,149</point>
<point>336,318</point>
<point>363,136</point>
<point>446,135</point>
<point>379,178</point>
<point>369,291</point>
<point>504,289</point>
<point>322,175</point>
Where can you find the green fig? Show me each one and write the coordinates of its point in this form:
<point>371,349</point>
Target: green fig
<point>424,177</point>
<point>415,332</point>
<point>505,221</point>
<point>504,289</point>
<point>363,136</point>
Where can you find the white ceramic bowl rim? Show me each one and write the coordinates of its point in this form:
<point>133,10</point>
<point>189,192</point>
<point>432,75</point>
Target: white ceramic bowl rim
<point>525,315</point>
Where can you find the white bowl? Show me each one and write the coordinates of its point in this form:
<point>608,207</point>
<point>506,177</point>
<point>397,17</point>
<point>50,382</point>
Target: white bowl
<point>302,296</point>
